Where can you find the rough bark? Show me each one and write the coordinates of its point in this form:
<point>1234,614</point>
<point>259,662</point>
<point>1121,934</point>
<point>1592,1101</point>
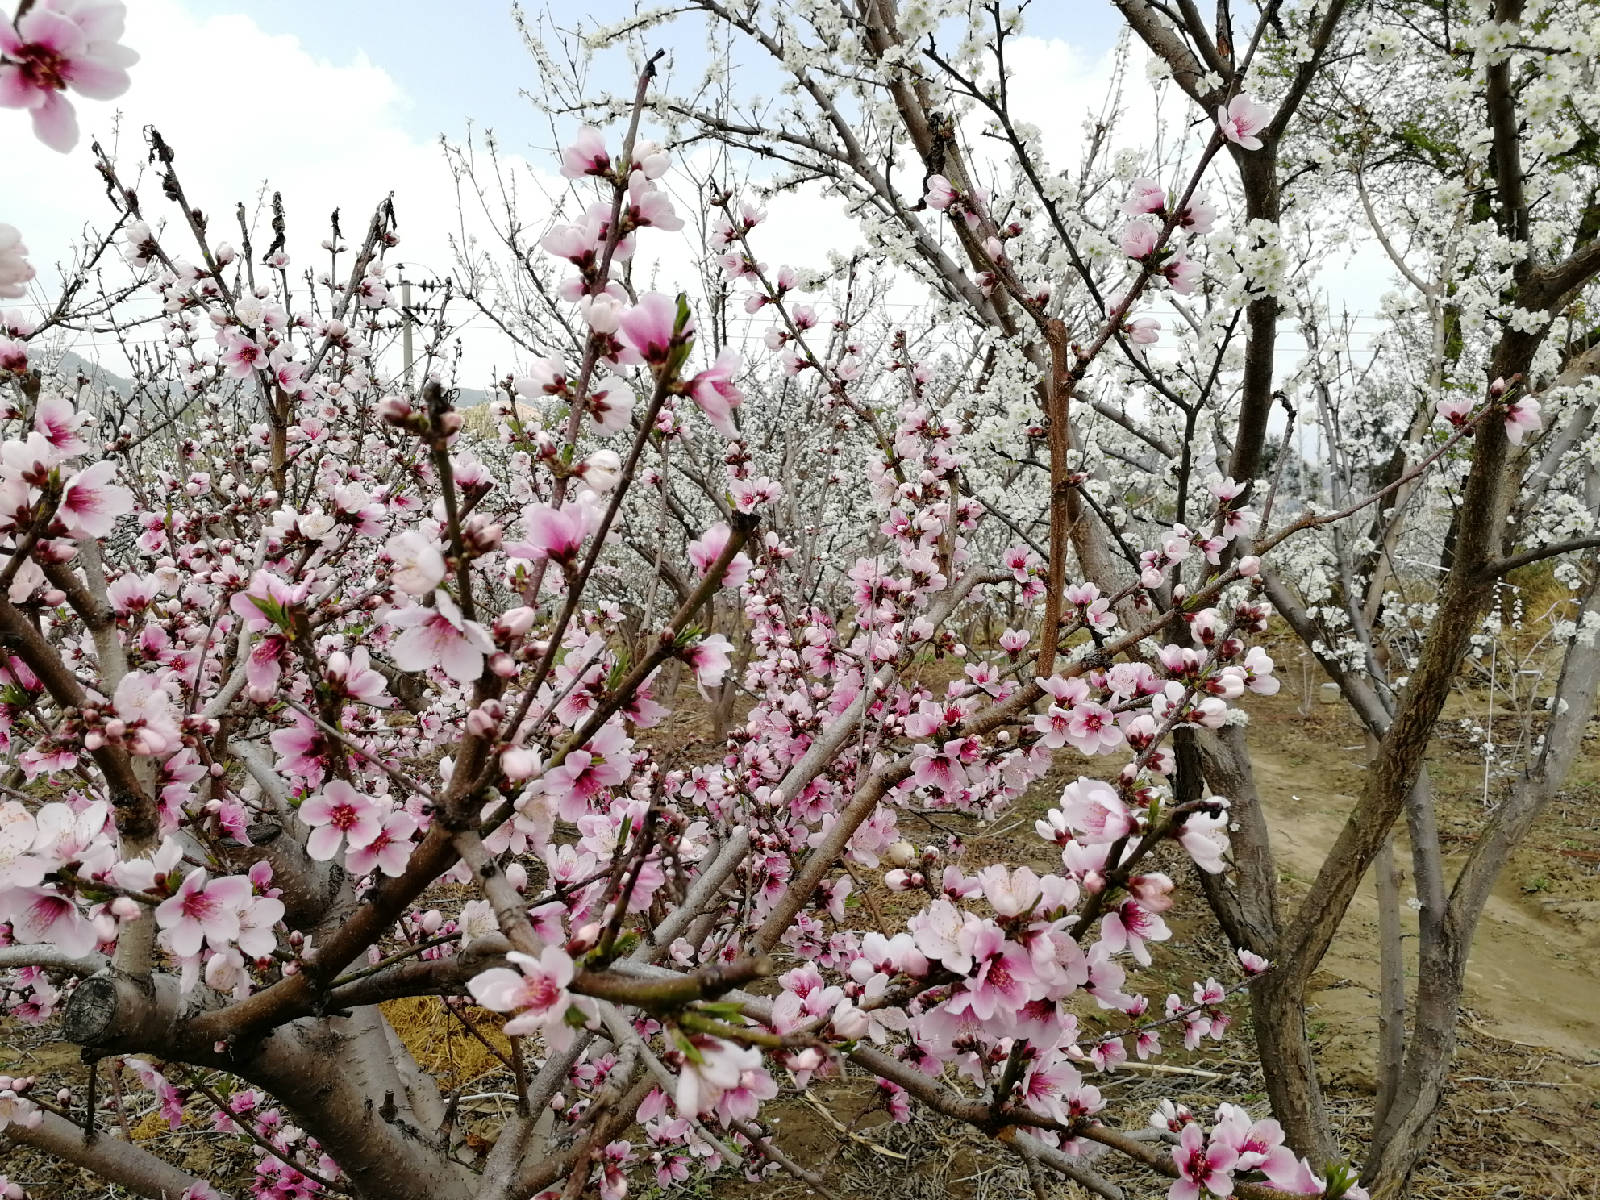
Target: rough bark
<point>335,1074</point>
<point>111,1158</point>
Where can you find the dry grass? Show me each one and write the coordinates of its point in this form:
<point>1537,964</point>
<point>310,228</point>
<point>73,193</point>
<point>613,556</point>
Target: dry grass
<point>456,1048</point>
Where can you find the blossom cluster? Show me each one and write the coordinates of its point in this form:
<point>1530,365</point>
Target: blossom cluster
<point>324,648</point>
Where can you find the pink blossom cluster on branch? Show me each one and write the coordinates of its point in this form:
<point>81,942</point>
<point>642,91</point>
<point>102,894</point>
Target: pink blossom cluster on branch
<point>278,696</point>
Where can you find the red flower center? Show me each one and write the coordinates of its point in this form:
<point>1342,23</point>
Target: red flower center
<point>43,67</point>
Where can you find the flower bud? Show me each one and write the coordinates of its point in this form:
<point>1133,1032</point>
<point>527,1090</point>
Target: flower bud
<point>901,854</point>
<point>514,622</point>
<point>394,410</point>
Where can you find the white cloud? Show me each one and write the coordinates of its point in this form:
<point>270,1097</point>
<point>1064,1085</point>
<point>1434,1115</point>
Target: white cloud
<point>247,113</point>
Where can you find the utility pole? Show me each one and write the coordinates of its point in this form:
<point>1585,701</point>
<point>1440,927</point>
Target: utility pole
<point>405,327</point>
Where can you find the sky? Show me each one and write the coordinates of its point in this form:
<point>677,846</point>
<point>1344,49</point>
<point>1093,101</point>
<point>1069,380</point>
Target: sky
<point>338,101</point>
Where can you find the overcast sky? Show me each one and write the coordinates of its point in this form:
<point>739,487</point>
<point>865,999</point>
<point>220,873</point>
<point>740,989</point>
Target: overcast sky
<point>338,101</point>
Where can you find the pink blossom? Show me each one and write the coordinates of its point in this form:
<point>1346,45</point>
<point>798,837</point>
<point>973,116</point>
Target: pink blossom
<point>553,533</point>
<point>418,564</point>
<point>19,866</point>
<point>1201,1170</point>
<point>1258,666</point>
<point>577,243</point>
<point>143,707</point>
<point>13,356</point>
<point>716,394</point>
<point>1129,926</point>
<point>201,911</point>
<point>1205,837</point>
<point>1143,331</point>
<point>1455,409</point>
<point>1011,893</point>
<point>42,914</point>
<point>940,770</point>
<point>1139,239</point>
<point>91,503</point>
<point>59,44</point>
<point>440,637</point>
<point>1181,273</point>
<point>1522,417</point>
<point>1241,120</point>
<point>352,675</point>
<point>711,1067</point>
<point>16,1109</point>
<point>1198,217</point>
<point>1092,729</point>
<point>1252,963</point>
<point>1001,981</point>
<point>586,772</point>
<point>239,354</point>
<point>648,328</point>
<point>586,155</point>
<point>706,549</point>
<point>940,194</point>
<point>601,471</point>
<point>59,422</point>
<point>938,935</point>
<point>536,992</point>
<point>1145,195</point>
<point>338,814</point>
<point>649,205</point>
<point>15,270</point>
<point>710,659</point>
<point>1095,812</point>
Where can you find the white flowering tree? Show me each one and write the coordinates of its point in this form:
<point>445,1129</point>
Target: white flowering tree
<point>1493,267</point>
<point>319,695</point>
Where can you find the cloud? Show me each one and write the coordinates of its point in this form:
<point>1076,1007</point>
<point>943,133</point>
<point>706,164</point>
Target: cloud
<point>247,113</point>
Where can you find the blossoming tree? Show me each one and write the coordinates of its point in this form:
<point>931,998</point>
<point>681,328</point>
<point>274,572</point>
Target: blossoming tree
<point>317,697</point>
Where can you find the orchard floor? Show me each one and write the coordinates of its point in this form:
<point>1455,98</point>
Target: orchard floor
<point>1523,1116</point>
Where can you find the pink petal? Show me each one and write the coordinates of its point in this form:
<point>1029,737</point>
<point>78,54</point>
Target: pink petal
<point>55,124</point>
<point>16,91</point>
<point>97,80</point>
<point>462,661</point>
<point>323,843</point>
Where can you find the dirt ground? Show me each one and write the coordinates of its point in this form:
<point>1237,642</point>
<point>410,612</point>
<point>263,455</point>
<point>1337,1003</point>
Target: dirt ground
<point>1523,1118</point>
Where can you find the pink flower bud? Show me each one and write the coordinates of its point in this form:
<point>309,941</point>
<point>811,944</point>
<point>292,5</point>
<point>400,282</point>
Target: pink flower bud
<point>901,854</point>
<point>394,410</point>
<point>850,1022</point>
<point>518,763</point>
<point>125,909</point>
<point>514,622</point>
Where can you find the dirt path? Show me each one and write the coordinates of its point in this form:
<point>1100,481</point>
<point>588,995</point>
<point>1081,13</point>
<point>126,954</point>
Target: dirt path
<point>1534,974</point>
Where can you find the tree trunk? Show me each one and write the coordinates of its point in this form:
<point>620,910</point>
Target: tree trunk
<point>1401,1141</point>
